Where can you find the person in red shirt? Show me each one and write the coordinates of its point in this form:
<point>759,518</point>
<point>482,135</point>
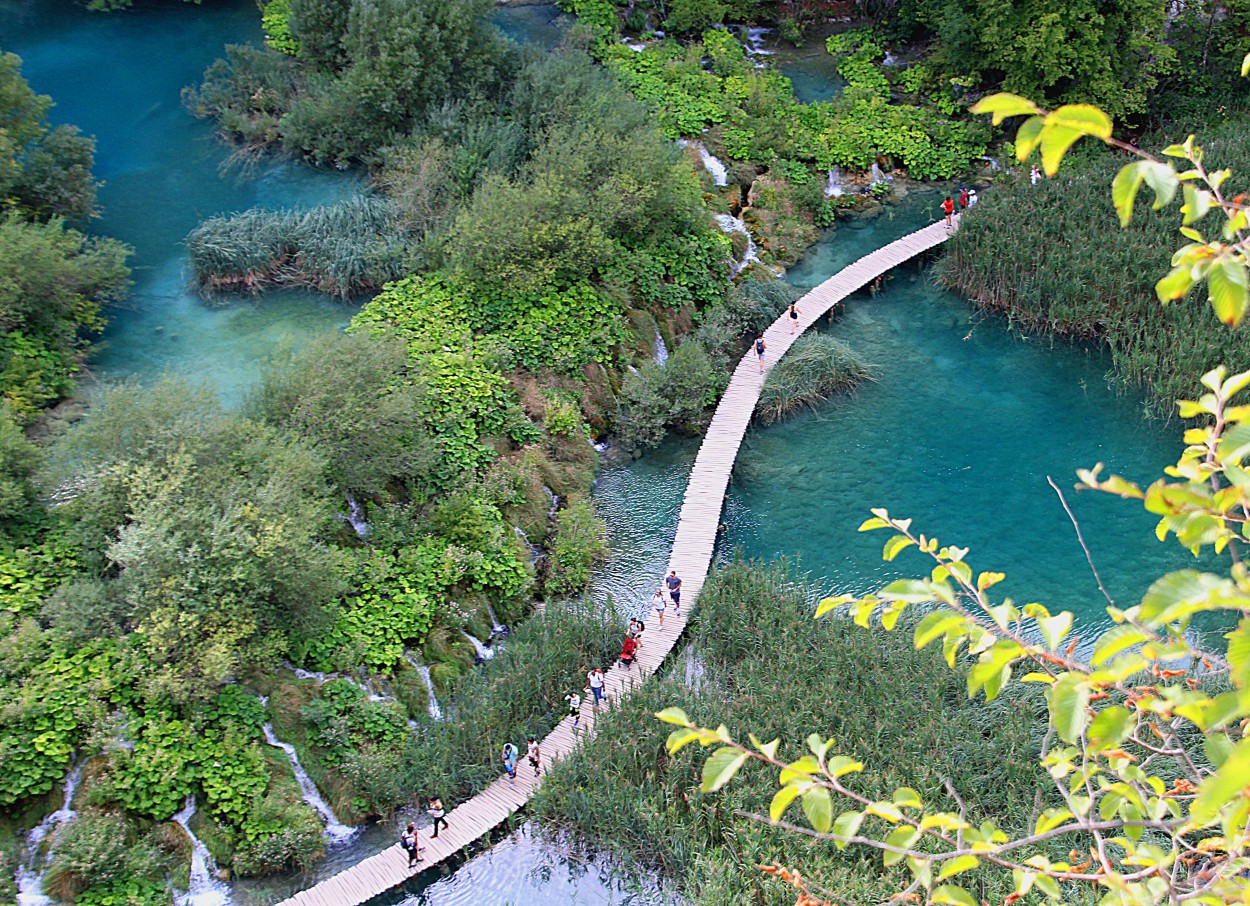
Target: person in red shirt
<point>948,208</point>
<point>629,651</point>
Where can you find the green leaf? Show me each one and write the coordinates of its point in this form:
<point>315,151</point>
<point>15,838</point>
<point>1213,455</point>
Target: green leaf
<point>679,739</point>
<point>955,866</point>
<point>1175,285</point>
<point>1117,639</point>
<point>674,716</point>
<point>818,806</point>
<point>721,767</point>
<point>902,837</point>
<point>781,801</point>
<point>1003,105</point>
<point>1056,140</point>
<point>1110,727</point>
<point>1226,283</point>
<point>847,825</point>
<point>1223,787</point>
<point>1239,655</point>
<point>1069,698</point>
<point>1085,118</point>
<point>935,625</point>
<point>768,748</point>
<point>840,765</point>
<point>1245,66</point>
<point>1055,628</point>
<point>906,797</point>
<point>1028,137</point>
<point>952,895</point>
<point>894,546</point>
<point>1124,189</point>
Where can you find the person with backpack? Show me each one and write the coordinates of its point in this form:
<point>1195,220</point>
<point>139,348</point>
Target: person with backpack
<point>438,813</point>
<point>760,348</point>
<point>575,708</point>
<point>948,209</point>
<point>636,628</point>
<point>408,840</point>
<point>535,755</point>
<point>510,755</point>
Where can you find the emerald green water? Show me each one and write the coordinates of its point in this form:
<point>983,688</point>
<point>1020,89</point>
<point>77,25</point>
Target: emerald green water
<point>118,76</point>
<point>960,430</point>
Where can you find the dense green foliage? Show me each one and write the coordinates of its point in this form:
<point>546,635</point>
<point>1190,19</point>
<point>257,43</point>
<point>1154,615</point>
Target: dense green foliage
<point>815,367</point>
<point>756,656</point>
<point>1103,287</point>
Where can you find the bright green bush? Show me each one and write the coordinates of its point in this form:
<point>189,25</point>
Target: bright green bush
<point>274,17</point>
<point>342,719</point>
<point>581,541</point>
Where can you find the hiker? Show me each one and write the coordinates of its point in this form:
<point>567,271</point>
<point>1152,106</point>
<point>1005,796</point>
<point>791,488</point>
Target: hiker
<point>408,840</point>
<point>972,197</point>
<point>510,754</point>
<point>575,708</point>
<point>438,813</point>
<point>629,650</point>
<point>674,589</point>
<point>963,200</point>
<point>636,629</point>
<point>948,208</point>
<point>794,317</point>
<point>1035,176</point>
<point>595,680</point>
<point>535,756</point>
<point>760,348</point>
<point>660,605</point>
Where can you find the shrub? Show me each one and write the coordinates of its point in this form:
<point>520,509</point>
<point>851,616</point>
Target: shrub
<point>581,541</point>
<point>815,367</point>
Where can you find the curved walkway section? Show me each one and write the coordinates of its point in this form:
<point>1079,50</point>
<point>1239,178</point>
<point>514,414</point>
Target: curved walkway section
<point>691,557</point>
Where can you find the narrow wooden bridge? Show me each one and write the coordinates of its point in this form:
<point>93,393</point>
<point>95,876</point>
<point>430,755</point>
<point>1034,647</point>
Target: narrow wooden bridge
<point>691,557</point>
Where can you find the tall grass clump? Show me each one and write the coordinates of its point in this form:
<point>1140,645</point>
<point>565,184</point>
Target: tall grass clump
<point>759,661</point>
<point>815,367</point>
<point>342,249</point>
<point>1053,258</point>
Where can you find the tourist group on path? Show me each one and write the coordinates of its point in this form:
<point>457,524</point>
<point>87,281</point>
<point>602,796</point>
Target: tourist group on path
<point>669,592</point>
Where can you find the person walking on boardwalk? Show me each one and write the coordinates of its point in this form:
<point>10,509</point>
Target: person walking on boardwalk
<point>594,679</point>
<point>629,651</point>
<point>963,200</point>
<point>972,197</point>
<point>673,581</point>
<point>660,604</point>
<point>948,208</point>
<point>760,348</point>
<point>510,755</point>
<point>636,628</point>
<point>535,755</point>
<point>794,317</point>
<point>575,708</point>
<point>438,813</point>
<point>408,840</point>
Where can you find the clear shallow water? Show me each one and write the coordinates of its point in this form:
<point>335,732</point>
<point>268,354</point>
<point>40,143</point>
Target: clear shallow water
<point>959,431</point>
<point>540,24</point>
<point>118,76</point>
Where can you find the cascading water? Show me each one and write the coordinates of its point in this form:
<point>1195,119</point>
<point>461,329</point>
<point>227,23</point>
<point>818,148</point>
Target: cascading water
<point>661,349</point>
<point>497,628</point>
<point>436,712</point>
<point>480,648</point>
<point>731,224</point>
<point>366,687</point>
<point>536,554</point>
<point>356,518</point>
<point>833,188</point>
<point>204,888</point>
<point>30,875</point>
<point>312,796</point>
<point>877,175</point>
<point>994,165</point>
<point>720,175</point>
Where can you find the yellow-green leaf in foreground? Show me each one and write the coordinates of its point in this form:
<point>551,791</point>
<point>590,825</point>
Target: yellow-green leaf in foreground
<point>1002,105</point>
<point>781,801</point>
<point>721,767</point>
<point>954,866</point>
<point>818,806</point>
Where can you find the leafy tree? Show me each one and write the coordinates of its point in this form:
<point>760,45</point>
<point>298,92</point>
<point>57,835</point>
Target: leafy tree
<point>353,398</point>
<point>19,459</point>
<point>43,170</point>
<point>318,28</point>
<point>1147,746</point>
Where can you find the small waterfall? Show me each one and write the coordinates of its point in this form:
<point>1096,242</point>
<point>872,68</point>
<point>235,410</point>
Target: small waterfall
<point>555,504</point>
<point>497,628</point>
<point>204,889</point>
<point>367,687</point>
<point>312,796</point>
<point>720,175</point>
<point>482,651</point>
<point>436,712</point>
<point>755,41</point>
<point>833,188</point>
<point>994,166</point>
<point>877,175</point>
<point>536,554</point>
<point>661,350</point>
<point>889,59</point>
<point>731,224</point>
<point>30,875</point>
<point>356,518</point>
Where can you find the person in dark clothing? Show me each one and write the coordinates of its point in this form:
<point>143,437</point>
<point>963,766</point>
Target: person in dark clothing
<point>438,813</point>
<point>408,840</point>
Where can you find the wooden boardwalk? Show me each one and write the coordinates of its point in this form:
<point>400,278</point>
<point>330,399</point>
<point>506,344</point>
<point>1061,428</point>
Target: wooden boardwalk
<point>691,557</point>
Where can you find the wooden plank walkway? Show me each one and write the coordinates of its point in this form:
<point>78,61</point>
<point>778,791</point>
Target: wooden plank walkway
<point>691,557</point>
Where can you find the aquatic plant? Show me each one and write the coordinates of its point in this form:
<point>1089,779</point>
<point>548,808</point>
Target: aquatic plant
<point>814,368</point>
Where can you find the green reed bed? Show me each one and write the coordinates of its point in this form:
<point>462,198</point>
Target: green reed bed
<point>815,367</point>
<point>759,661</point>
<point>1052,257</point>
<point>340,249</point>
